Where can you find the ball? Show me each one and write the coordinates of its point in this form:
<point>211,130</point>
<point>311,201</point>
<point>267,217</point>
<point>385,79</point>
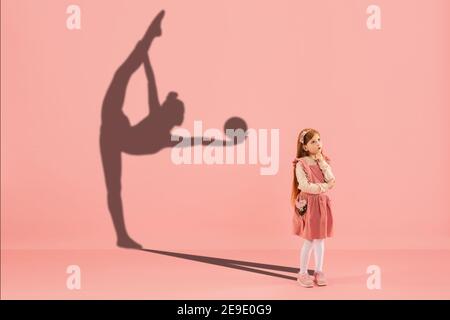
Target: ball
<point>235,123</point>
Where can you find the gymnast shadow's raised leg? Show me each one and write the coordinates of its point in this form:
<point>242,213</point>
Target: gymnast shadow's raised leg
<point>112,167</point>
<point>115,96</point>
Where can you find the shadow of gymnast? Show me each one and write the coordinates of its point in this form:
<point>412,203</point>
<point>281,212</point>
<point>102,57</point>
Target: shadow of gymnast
<point>149,136</point>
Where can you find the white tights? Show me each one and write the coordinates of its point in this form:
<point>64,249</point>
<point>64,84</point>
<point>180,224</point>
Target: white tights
<point>319,248</point>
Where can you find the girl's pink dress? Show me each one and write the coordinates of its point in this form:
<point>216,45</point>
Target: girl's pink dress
<point>317,222</point>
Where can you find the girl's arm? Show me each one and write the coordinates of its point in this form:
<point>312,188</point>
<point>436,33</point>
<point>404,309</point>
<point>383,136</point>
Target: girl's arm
<point>326,169</point>
<point>306,186</point>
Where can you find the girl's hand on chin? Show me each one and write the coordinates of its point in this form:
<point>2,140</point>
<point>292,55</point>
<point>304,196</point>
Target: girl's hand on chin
<point>318,156</point>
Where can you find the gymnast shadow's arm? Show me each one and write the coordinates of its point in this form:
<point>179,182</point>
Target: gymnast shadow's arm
<point>176,141</point>
<point>180,141</point>
<point>153,100</point>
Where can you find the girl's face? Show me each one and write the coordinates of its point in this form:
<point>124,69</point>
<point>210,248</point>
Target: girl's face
<point>314,145</point>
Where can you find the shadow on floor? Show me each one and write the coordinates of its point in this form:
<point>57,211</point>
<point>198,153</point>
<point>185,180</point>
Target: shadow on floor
<point>236,264</point>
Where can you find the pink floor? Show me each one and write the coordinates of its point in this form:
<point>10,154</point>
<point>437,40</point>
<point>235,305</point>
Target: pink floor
<point>170,274</point>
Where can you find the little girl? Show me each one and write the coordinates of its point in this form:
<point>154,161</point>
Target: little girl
<point>312,218</point>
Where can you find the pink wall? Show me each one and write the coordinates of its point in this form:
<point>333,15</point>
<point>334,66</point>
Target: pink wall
<point>380,99</point>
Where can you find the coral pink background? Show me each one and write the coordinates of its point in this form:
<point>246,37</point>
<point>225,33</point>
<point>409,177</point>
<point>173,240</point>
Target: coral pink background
<point>379,98</point>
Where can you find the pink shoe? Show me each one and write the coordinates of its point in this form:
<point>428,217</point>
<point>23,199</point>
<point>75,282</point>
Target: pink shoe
<point>319,279</point>
<point>305,280</point>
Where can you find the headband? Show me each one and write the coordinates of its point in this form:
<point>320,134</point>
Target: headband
<point>302,136</point>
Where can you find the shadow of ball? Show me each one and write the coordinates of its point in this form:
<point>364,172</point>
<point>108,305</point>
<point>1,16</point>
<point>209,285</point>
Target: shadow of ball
<point>239,127</point>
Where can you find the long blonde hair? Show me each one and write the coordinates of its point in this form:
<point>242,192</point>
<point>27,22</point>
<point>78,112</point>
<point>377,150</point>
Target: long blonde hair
<point>302,153</point>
